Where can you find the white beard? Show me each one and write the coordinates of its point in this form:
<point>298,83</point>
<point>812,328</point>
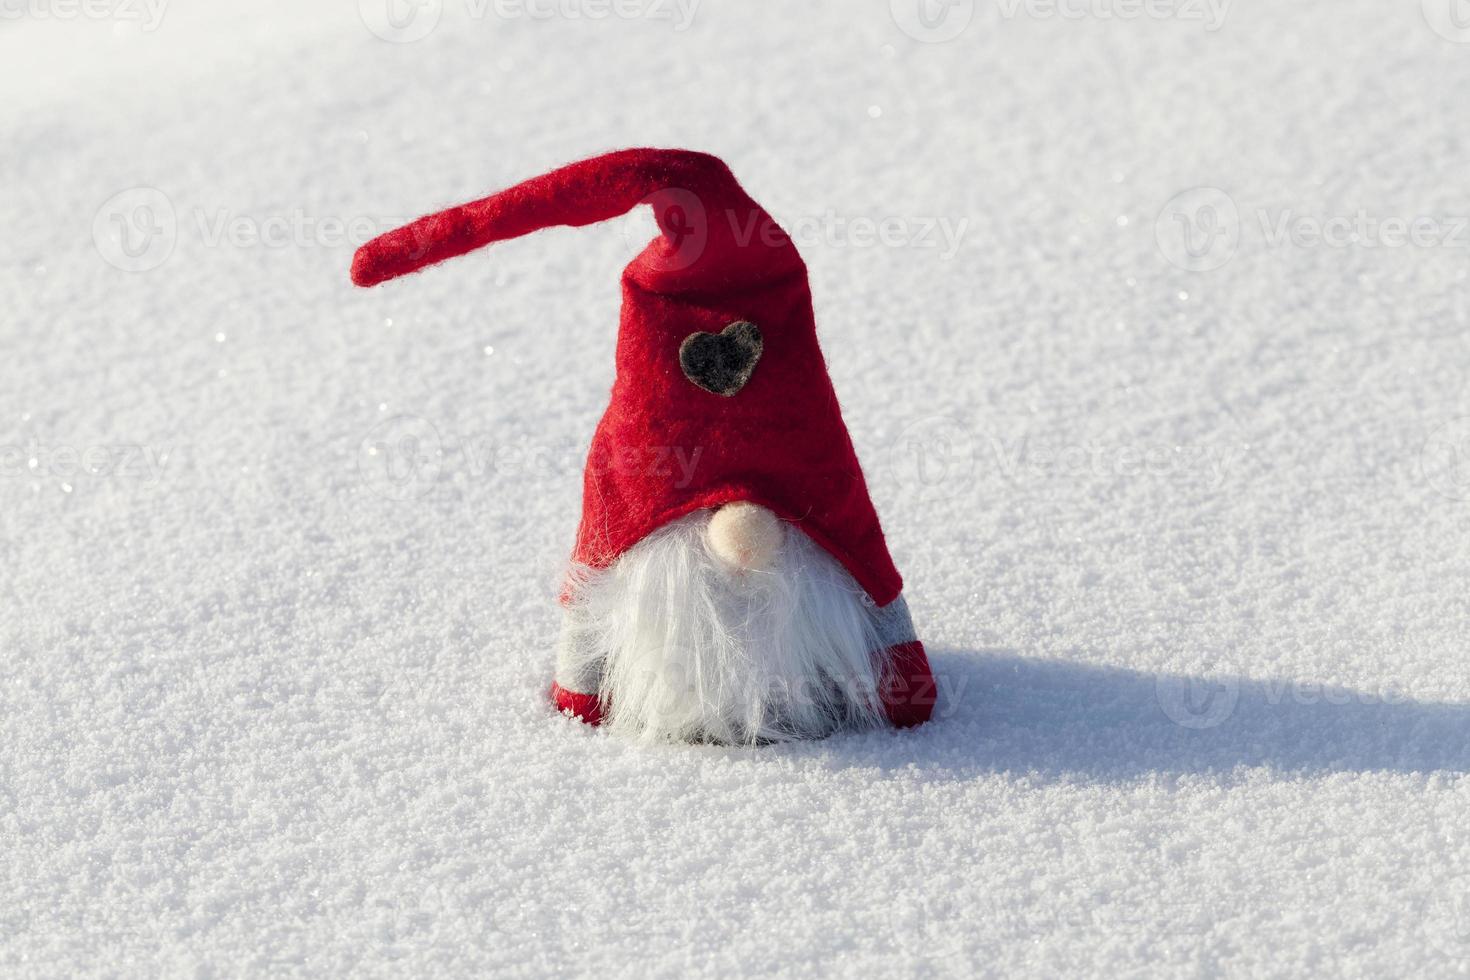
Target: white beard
<point>681,645</point>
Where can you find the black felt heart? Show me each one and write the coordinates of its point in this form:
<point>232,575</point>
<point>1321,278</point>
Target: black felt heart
<point>722,362</point>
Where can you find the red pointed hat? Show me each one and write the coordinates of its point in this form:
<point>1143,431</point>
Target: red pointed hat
<point>721,392</point>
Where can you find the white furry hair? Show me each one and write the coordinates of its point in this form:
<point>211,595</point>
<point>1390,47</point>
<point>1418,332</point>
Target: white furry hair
<point>682,645</point>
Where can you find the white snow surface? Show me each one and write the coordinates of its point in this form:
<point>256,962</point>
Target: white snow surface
<point>1188,546</point>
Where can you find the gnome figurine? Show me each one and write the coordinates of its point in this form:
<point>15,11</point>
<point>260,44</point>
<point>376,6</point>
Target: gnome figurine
<point>746,594</point>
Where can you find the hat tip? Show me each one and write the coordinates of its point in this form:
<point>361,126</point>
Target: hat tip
<point>365,270</point>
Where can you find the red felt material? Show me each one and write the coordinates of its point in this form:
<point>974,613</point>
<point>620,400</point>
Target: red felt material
<point>666,447</point>
<point>907,686</point>
<point>583,706</point>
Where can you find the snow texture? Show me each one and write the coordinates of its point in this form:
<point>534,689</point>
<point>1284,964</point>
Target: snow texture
<point>1186,531</point>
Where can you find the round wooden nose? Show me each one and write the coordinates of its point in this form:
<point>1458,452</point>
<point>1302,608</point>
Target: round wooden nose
<point>746,535</point>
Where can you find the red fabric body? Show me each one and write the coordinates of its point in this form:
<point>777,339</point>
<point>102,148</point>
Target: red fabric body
<point>665,446</point>
<point>583,706</point>
<point>907,686</point>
